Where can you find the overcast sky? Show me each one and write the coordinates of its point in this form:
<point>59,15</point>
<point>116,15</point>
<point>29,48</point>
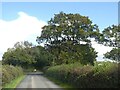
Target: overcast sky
<point>23,21</point>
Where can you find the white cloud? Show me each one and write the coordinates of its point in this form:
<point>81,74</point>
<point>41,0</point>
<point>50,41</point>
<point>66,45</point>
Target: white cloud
<point>101,49</point>
<point>25,27</point>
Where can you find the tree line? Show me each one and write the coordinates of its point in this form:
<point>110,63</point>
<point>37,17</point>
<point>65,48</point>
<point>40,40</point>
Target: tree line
<point>67,39</point>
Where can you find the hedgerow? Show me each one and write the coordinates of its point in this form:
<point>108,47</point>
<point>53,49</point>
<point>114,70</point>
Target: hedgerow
<point>103,75</point>
<point>9,73</point>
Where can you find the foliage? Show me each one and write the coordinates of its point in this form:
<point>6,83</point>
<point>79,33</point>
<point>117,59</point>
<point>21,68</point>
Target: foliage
<point>111,37</point>
<point>102,75</point>
<point>42,57</point>
<point>9,73</point>
<point>19,55</point>
<point>114,54</point>
<point>65,33</point>
<point>27,56</point>
<point>13,84</point>
<point>68,27</point>
<point>79,53</point>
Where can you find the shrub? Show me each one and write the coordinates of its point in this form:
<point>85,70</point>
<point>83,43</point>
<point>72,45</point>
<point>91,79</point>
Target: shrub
<point>9,73</point>
<point>102,75</point>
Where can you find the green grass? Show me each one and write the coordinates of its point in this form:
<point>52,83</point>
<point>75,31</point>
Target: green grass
<point>15,82</point>
<point>65,86</point>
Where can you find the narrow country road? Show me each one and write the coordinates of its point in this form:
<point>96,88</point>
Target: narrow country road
<point>37,80</point>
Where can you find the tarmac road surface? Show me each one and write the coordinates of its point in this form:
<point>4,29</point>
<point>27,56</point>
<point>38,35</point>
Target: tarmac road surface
<point>37,80</point>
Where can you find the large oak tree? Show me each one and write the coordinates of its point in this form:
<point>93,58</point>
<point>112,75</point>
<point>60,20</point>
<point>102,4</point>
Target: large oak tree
<point>65,33</point>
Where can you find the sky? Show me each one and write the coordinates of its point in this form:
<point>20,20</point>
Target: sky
<point>23,20</point>
<point>60,0</point>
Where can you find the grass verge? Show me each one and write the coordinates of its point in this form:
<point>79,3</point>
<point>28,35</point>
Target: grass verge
<point>15,82</point>
<point>65,86</point>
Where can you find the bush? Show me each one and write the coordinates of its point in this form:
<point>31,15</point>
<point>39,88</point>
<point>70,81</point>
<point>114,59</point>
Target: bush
<point>102,75</point>
<point>9,73</point>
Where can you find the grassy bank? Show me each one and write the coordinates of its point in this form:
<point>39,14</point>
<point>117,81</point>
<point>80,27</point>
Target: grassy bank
<point>15,82</point>
<point>11,76</point>
<point>101,75</point>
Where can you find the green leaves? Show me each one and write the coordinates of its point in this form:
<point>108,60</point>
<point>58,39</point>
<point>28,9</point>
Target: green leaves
<point>114,54</point>
<point>110,36</point>
<point>101,75</point>
<point>63,34</point>
<point>9,73</point>
<point>42,57</point>
<point>19,55</point>
<point>27,56</point>
<point>68,27</point>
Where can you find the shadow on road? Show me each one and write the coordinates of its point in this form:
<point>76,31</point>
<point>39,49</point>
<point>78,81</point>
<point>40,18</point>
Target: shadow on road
<point>35,73</point>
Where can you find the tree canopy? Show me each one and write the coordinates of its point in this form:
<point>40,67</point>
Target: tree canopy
<point>66,40</point>
<point>111,37</point>
<point>68,27</point>
<point>19,55</point>
<point>64,33</point>
<point>26,55</point>
<point>114,54</point>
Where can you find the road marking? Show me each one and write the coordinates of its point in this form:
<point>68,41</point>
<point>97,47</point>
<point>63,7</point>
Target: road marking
<point>32,82</point>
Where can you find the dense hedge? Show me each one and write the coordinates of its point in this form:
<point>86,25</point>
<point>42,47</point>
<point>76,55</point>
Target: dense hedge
<point>102,75</point>
<point>9,73</point>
